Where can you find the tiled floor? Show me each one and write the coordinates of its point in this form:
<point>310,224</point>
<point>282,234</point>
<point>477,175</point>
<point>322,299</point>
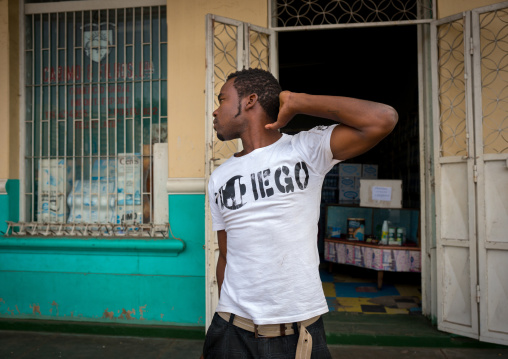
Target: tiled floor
<point>352,289</point>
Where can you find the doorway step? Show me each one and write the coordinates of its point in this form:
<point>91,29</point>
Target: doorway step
<point>385,330</point>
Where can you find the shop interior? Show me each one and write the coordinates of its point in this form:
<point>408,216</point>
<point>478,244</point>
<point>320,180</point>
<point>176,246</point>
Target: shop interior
<point>362,273</point>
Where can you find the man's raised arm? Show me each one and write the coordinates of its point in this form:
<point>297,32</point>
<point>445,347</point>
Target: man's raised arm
<point>363,123</point>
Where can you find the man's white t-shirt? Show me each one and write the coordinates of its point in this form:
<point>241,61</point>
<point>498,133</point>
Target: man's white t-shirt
<point>268,203</point>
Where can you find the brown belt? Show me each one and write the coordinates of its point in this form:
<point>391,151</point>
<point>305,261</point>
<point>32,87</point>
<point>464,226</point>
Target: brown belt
<point>304,346</point>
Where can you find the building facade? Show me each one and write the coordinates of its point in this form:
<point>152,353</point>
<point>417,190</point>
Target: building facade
<point>108,144</point>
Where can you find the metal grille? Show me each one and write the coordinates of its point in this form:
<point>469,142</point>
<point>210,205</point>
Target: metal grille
<point>494,73</point>
<point>259,49</point>
<point>297,13</point>
<point>226,38</point>
<point>452,89</point>
<point>96,85</point>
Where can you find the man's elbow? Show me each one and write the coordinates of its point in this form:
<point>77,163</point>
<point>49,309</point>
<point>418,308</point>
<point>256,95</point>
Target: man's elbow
<point>387,120</point>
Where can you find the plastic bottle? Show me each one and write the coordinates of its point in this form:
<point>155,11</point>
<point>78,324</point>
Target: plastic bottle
<point>392,235</point>
<point>401,236</point>
<point>384,233</point>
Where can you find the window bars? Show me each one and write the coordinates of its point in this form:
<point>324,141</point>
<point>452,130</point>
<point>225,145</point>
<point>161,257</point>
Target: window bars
<point>298,14</point>
<point>96,88</point>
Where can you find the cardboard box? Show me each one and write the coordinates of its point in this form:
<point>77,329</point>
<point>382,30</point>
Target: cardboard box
<point>357,191</point>
<point>381,193</point>
<point>54,184</point>
<point>350,169</point>
<point>129,214</point>
<point>369,171</point>
<point>92,202</point>
<point>129,179</point>
<point>348,190</point>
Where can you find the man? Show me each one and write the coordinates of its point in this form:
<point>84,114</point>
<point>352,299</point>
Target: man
<point>265,208</point>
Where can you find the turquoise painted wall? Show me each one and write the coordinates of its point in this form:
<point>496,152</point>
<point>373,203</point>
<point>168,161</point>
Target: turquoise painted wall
<point>9,204</point>
<point>93,284</point>
<point>4,212</point>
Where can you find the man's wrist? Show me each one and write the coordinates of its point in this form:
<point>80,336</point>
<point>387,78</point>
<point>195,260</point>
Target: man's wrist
<point>299,102</point>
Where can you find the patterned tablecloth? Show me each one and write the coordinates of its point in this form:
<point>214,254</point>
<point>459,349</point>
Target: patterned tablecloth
<point>401,259</point>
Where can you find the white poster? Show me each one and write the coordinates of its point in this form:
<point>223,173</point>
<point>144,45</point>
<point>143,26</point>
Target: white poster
<point>381,193</point>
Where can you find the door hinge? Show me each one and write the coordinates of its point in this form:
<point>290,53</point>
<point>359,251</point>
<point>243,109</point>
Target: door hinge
<point>471,49</point>
<point>475,174</point>
<point>477,294</point>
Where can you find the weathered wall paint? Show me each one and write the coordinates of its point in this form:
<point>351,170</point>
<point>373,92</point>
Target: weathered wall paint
<point>451,7</point>
<point>113,286</point>
<point>101,297</point>
<point>142,299</point>
<point>186,73</point>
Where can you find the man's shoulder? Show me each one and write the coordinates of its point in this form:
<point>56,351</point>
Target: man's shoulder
<point>223,168</point>
<point>314,134</point>
<point>319,130</point>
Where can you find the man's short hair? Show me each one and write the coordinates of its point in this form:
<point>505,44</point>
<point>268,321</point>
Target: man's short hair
<point>263,84</point>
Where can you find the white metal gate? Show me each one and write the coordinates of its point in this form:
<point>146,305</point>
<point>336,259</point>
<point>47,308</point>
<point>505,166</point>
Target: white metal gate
<point>231,45</point>
<point>490,26</point>
<point>471,151</point>
<point>455,197</point>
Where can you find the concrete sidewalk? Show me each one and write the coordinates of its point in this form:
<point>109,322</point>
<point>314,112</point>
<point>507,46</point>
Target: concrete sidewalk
<point>37,345</point>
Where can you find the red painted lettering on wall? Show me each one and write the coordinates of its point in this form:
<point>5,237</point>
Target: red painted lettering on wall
<point>114,71</point>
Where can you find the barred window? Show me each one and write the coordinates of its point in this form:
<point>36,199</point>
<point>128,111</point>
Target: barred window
<point>95,93</point>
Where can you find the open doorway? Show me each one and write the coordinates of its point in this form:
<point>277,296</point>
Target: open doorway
<point>378,64</point>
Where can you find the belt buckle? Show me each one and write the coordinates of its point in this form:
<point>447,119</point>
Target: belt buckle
<point>257,335</point>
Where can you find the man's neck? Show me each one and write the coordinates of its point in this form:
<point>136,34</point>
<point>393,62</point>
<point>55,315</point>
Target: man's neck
<point>258,139</point>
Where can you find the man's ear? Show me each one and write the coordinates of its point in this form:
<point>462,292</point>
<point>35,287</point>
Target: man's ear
<point>252,99</point>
